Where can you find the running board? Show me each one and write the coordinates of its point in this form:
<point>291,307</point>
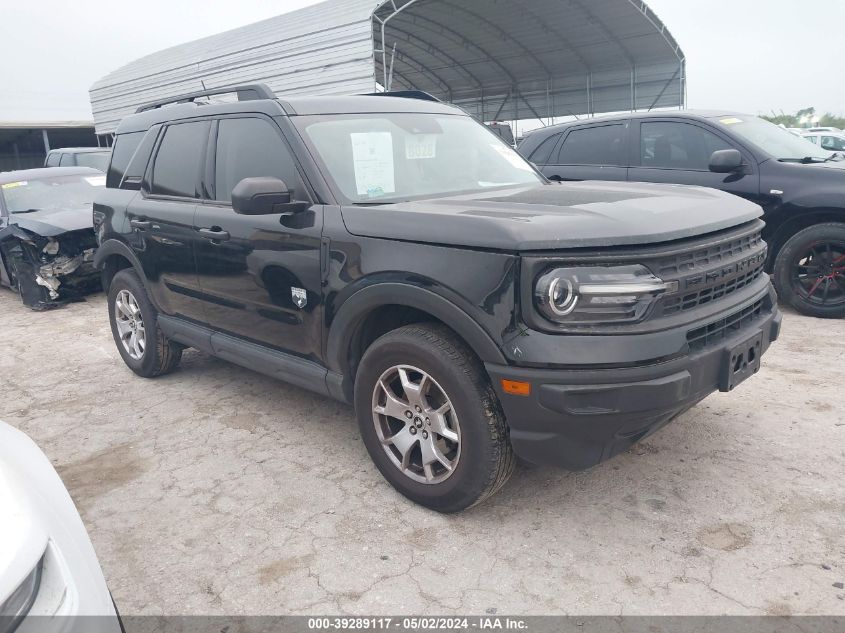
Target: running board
<point>291,369</point>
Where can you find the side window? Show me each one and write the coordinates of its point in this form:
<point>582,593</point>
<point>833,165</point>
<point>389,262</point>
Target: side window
<point>543,153</point>
<point>124,147</point>
<point>251,148</point>
<point>833,143</point>
<point>813,139</point>
<point>137,166</point>
<point>52,159</point>
<point>177,164</point>
<point>671,145</point>
<point>602,145</point>
<point>66,160</point>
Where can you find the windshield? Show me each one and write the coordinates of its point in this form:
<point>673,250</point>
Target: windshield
<point>60,192</point>
<point>773,139</point>
<point>388,157</point>
<point>97,160</point>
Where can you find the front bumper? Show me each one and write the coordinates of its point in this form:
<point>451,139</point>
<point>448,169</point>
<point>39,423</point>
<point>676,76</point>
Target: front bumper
<point>576,418</point>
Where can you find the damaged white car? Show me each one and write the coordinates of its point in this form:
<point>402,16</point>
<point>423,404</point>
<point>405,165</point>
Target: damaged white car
<point>47,239</point>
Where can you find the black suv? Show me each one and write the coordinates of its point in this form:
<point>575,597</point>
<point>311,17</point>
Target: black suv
<point>800,186</point>
<point>395,254</point>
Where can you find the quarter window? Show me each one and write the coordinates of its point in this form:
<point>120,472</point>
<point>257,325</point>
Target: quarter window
<point>66,160</point>
<point>672,145</point>
<point>543,153</point>
<point>53,159</point>
<point>124,147</point>
<point>602,145</point>
<point>251,148</point>
<point>177,165</point>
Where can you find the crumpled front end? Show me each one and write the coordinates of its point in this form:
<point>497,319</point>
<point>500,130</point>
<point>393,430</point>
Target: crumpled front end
<point>50,271</point>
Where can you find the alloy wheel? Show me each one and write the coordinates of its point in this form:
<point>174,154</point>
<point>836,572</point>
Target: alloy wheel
<point>416,424</point>
<point>818,274</point>
<point>130,324</point>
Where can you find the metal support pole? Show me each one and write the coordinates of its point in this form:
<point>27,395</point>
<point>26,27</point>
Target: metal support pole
<point>46,142</point>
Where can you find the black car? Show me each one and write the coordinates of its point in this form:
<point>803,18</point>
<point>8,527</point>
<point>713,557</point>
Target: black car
<point>393,253</point>
<point>800,186</point>
<point>94,157</point>
<point>47,239</point>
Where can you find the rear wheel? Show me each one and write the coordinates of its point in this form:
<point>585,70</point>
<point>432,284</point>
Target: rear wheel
<point>810,271</point>
<point>430,419</point>
<point>134,325</point>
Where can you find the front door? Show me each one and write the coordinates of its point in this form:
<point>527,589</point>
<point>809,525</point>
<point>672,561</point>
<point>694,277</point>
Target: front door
<point>679,152</point>
<point>260,276</point>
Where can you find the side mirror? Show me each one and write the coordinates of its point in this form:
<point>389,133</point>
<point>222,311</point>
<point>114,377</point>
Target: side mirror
<point>725,161</point>
<point>264,196</point>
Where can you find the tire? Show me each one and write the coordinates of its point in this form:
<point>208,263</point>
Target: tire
<point>460,417</point>
<point>810,271</point>
<point>158,355</point>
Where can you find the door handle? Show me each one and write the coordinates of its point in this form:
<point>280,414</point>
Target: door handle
<point>215,234</point>
<point>141,225</point>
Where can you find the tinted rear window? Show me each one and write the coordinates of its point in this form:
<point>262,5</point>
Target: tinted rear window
<point>177,164</point>
<point>124,147</point>
<point>603,145</point>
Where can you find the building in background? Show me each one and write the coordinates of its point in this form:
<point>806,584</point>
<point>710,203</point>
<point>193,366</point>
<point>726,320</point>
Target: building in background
<point>500,61</point>
<point>24,145</point>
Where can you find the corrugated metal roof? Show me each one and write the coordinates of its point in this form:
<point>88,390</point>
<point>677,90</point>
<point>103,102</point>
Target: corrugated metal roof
<point>499,60</point>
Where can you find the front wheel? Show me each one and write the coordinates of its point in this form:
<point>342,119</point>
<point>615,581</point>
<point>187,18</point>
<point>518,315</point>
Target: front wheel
<point>430,419</point>
<point>810,271</point>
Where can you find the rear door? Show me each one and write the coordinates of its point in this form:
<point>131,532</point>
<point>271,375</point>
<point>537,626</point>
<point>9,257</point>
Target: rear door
<point>592,152</point>
<point>161,218</point>
<point>260,276</point>
<point>676,151</point>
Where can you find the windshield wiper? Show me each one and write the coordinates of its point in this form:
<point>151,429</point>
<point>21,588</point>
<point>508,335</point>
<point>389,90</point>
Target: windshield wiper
<point>26,211</point>
<point>807,160</point>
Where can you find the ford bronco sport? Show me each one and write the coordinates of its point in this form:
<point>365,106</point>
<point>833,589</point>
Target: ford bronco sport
<point>393,253</point>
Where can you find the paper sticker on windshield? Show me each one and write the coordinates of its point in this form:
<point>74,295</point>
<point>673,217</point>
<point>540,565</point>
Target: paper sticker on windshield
<point>420,146</point>
<point>372,153</point>
<point>730,121</point>
<point>96,181</point>
<point>512,157</point>
<point>12,185</point>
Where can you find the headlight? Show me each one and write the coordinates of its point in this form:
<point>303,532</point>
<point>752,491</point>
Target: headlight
<point>14,609</point>
<point>598,294</point>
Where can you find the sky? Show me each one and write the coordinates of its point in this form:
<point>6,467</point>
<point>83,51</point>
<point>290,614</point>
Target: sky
<point>748,55</point>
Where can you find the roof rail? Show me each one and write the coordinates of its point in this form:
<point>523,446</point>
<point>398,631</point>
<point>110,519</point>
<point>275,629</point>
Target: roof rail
<point>406,94</point>
<point>246,92</point>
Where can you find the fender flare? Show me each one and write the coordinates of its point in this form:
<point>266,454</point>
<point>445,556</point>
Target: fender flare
<point>364,301</point>
<point>115,247</point>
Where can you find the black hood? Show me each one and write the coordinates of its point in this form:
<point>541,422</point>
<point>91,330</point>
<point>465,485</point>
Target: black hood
<point>547,217</point>
<point>52,222</point>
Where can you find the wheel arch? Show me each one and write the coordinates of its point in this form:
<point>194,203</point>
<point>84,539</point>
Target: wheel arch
<point>378,309</point>
<point>112,257</point>
<point>798,222</point>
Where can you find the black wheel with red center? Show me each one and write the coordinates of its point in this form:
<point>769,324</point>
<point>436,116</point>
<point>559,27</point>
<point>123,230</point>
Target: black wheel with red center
<point>810,271</point>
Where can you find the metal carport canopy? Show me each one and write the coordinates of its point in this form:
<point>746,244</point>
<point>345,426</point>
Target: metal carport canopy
<point>498,59</point>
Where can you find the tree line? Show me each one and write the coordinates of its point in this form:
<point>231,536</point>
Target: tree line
<point>806,118</point>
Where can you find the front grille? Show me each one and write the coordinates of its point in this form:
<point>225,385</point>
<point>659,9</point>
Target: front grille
<point>673,305</point>
<point>716,331</point>
<point>713,255</point>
